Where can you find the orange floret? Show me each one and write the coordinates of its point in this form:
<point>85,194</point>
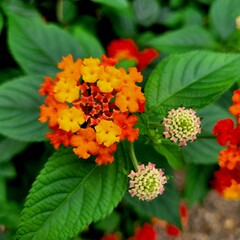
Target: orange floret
<point>107,132</point>
<point>66,90</point>
<point>46,87</point>
<point>70,119</point>
<point>126,123</point>
<point>49,111</point>
<point>104,154</point>
<point>229,157</point>
<point>59,137</point>
<point>129,98</point>
<point>70,68</point>
<point>85,143</point>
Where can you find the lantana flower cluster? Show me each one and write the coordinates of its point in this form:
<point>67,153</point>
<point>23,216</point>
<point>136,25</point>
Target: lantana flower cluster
<point>227,178</point>
<point>181,125</point>
<point>90,105</point>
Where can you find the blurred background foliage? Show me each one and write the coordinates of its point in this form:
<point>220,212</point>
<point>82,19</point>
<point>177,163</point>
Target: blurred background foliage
<point>173,26</point>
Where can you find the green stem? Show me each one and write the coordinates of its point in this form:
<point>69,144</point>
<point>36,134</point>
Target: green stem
<point>133,156</point>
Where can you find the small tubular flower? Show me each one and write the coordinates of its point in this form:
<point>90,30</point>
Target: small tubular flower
<point>85,143</point>
<point>70,119</point>
<point>82,103</point>
<point>181,125</point>
<point>126,123</point>
<point>107,132</point>
<point>147,183</point>
<point>91,69</point>
<point>66,90</point>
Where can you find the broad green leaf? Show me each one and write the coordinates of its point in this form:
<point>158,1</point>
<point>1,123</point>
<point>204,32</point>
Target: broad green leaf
<point>193,79</point>
<point>197,182</point>
<point>222,16</point>
<point>1,22</point>
<point>124,25</point>
<point>164,206</point>
<point>117,5</point>
<point>182,40</point>
<point>172,152</point>
<point>147,12</point>
<point>70,193</point>
<point>90,43</point>
<point>9,148</point>
<point>20,7</point>
<point>37,46</point>
<point>19,109</point>
<point>3,189</point>
<point>9,73</point>
<point>206,149</point>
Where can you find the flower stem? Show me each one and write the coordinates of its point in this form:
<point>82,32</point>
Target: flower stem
<point>133,156</point>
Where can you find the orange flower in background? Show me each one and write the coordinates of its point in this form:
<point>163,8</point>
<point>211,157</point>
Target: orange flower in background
<point>128,50</point>
<point>88,106</point>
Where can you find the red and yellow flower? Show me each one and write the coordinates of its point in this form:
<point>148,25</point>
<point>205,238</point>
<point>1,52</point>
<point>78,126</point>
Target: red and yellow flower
<point>90,106</point>
<point>227,179</point>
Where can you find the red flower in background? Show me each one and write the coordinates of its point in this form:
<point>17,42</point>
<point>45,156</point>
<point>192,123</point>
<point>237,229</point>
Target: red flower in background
<point>127,49</point>
<point>224,130</point>
<point>146,232</point>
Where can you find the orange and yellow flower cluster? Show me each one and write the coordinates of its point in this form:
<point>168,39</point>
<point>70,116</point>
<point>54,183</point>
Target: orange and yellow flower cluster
<point>90,106</point>
<point>227,178</point>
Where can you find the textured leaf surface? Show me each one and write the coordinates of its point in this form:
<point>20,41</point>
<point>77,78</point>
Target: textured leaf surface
<point>222,16</point>
<point>69,194</point>
<point>183,40</point>
<point>19,109</point>
<point>37,46</point>
<point>191,79</point>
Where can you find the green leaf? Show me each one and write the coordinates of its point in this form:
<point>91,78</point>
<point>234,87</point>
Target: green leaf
<point>1,22</point>
<point>165,206</point>
<point>182,40</point>
<point>19,109</point>
<point>87,40</point>
<point>205,149</point>
<point>197,182</point>
<point>222,16</point>
<point>66,11</point>
<point>37,46</point>
<point>172,152</point>
<point>9,73</point>
<point>7,170</point>
<point>69,194</point>
<point>9,148</point>
<point>193,79</point>
<point>117,5</point>
<point>147,12</point>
